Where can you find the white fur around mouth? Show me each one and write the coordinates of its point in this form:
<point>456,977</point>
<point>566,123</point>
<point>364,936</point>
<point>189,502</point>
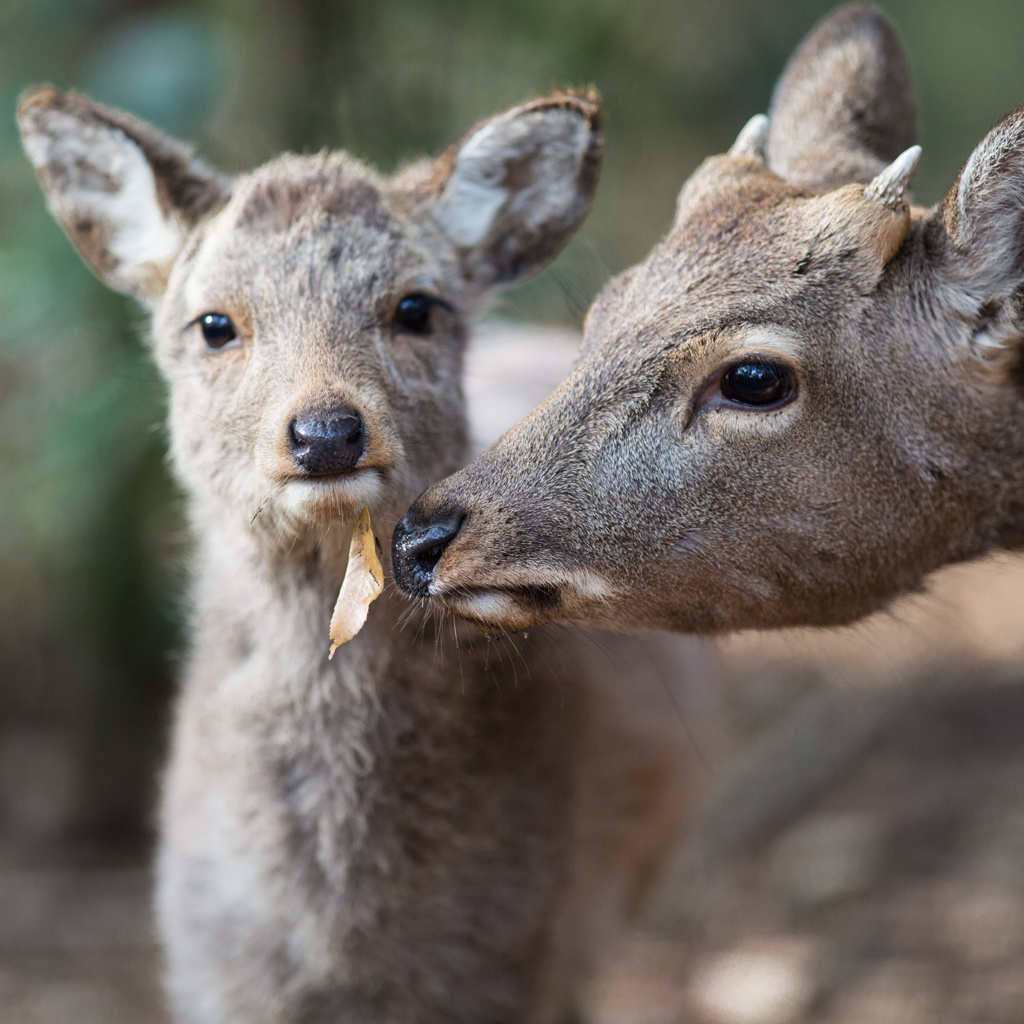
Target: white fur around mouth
<point>498,607</point>
<point>489,607</point>
<point>362,488</point>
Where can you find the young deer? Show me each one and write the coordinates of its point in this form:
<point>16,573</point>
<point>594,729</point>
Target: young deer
<point>400,834</point>
<point>809,396</point>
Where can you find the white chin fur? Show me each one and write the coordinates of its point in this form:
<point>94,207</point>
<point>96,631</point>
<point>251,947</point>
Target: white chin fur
<point>498,609</point>
<point>306,499</point>
<point>501,609</point>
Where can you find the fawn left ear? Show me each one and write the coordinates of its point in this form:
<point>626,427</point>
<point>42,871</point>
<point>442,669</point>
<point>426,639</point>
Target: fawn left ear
<point>512,193</point>
<point>126,195</point>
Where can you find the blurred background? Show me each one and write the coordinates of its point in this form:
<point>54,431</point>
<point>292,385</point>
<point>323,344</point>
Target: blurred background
<point>92,540</point>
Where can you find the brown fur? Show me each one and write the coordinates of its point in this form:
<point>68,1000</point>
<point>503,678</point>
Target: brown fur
<point>638,496</point>
<point>410,832</point>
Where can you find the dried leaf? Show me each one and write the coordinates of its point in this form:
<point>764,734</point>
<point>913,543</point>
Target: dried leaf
<point>363,583</point>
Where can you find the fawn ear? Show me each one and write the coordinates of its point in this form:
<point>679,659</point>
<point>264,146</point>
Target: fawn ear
<point>126,195</point>
<point>984,214</point>
<point>844,107</point>
<point>515,189</point>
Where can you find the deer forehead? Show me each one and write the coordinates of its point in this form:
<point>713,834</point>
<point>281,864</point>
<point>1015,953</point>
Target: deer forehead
<point>337,265</point>
<point>293,188</point>
<point>735,261</point>
<point>307,244</point>
<point>734,251</point>
<point>737,217</point>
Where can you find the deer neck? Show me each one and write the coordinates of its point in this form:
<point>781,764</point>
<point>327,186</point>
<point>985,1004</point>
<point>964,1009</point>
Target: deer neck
<point>956,411</point>
<point>976,469</point>
<point>997,471</point>
<point>269,604</point>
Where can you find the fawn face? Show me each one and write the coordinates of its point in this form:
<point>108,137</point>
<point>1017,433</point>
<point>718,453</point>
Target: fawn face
<point>312,338</point>
<point>777,417</point>
<point>310,317</point>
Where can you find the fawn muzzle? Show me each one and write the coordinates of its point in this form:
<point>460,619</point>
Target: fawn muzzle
<point>417,546</point>
<point>327,445</point>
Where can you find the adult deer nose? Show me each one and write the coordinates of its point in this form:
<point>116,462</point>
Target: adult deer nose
<point>417,545</point>
<point>324,445</point>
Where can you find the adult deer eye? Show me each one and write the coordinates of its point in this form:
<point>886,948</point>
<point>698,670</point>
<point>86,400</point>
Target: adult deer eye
<point>757,383</point>
<point>218,331</point>
<point>413,314</point>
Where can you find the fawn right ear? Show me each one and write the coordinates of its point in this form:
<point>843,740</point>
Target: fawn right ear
<point>513,192</point>
<point>844,106</point>
<point>126,195</point>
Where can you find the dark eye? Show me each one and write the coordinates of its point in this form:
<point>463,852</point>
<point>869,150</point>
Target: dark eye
<point>757,383</point>
<point>218,331</point>
<point>413,314</point>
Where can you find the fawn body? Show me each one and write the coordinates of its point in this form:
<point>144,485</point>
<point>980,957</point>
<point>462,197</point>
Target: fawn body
<point>407,832</point>
<point>804,400</point>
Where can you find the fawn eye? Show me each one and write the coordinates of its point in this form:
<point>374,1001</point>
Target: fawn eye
<point>757,383</point>
<point>413,313</point>
<point>218,331</point>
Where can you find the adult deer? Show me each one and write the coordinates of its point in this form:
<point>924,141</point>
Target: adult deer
<point>807,397</point>
<point>400,834</point>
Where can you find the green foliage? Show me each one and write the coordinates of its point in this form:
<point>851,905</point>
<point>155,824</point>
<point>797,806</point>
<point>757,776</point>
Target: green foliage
<point>91,532</point>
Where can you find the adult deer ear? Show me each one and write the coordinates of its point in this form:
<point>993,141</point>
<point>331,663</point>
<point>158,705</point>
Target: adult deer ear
<point>984,214</point>
<point>515,189</point>
<point>844,107</point>
<point>126,195</point>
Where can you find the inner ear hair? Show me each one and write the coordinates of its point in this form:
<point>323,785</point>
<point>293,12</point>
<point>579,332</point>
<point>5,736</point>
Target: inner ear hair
<point>983,214</point>
<point>512,191</point>
<point>187,186</point>
<point>125,193</point>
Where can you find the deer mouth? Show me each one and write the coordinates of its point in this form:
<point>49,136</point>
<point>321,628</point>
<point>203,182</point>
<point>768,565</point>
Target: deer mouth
<point>504,608</point>
<point>328,496</point>
<point>518,605</point>
<point>434,555</point>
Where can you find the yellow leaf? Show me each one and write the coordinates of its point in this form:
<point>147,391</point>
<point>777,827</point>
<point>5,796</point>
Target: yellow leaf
<point>363,583</point>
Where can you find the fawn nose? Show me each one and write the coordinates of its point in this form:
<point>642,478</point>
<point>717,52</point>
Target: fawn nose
<point>324,445</point>
<point>417,546</point>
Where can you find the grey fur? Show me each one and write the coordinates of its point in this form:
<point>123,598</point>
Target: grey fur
<point>415,831</point>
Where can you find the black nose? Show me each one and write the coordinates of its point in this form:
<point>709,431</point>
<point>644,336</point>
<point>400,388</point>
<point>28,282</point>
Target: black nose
<point>324,445</point>
<point>417,545</point>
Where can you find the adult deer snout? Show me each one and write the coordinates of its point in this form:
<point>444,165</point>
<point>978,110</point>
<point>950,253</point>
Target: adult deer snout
<point>327,444</point>
<point>417,545</point>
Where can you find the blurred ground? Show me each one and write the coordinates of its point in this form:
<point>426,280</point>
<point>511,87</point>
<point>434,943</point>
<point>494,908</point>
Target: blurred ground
<point>891,895</point>
<point>862,860</point>
<point>859,863</point>
<point>76,946</point>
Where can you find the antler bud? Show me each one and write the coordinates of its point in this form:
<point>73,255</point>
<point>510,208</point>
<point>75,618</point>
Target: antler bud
<point>752,139</point>
<point>889,188</point>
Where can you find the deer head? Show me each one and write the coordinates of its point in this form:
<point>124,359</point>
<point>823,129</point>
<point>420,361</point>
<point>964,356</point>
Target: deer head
<point>310,316</point>
<point>806,398</point>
